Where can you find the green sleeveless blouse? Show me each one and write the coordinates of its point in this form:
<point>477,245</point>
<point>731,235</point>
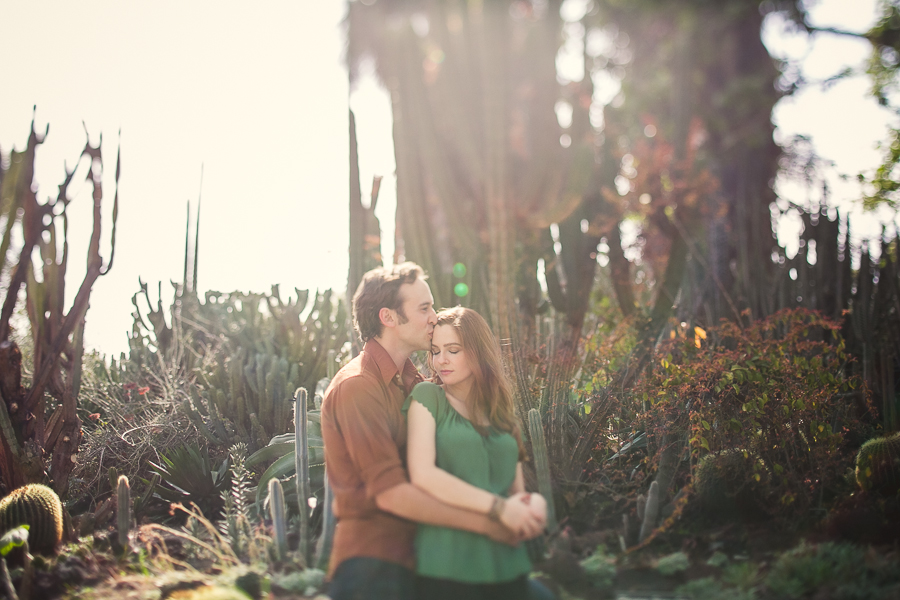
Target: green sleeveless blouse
<point>488,462</point>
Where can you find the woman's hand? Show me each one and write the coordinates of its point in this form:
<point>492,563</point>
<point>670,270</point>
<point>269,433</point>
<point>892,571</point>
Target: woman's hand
<point>538,507</point>
<point>521,518</point>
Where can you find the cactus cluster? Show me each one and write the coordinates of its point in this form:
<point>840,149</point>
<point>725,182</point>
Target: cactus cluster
<point>246,397</point>
<point>38,507</point>
<point>878,465</point>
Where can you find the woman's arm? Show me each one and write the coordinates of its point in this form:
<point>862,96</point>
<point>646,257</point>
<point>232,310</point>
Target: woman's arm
<point>518,484</point>
<point>426,475</point>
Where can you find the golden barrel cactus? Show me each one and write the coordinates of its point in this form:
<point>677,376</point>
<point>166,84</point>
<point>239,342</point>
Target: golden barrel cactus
<point>38,507</point>
<point>878,465</point>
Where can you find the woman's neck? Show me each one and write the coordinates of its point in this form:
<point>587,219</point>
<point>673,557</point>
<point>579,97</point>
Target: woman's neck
<point>460,390</point>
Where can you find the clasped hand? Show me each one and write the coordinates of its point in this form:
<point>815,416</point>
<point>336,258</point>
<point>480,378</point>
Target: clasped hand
<point>525,514</point>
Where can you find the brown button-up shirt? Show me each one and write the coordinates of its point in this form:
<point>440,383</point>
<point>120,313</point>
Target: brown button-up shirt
<point>365,454</point>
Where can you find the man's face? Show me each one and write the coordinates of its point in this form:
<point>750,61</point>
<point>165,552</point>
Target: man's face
<point>418,309</point>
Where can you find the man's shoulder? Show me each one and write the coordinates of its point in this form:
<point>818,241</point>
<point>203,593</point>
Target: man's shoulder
<point>353,382</point>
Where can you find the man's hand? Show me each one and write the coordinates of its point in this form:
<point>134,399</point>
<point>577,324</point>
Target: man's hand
<point>500,533</point>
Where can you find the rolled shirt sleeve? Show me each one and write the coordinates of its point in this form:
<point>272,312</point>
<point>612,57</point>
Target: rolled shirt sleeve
<point>369,434</point>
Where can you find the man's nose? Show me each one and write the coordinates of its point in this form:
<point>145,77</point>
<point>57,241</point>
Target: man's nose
<point>432,317</point>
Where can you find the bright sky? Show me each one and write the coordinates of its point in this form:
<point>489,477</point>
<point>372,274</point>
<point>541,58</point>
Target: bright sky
<point>259,98</point>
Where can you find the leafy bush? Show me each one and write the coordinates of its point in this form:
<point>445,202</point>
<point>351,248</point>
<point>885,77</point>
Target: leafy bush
<point>775,389</point>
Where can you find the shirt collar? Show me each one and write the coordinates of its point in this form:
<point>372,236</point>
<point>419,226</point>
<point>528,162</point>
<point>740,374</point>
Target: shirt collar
<point>388,370</point>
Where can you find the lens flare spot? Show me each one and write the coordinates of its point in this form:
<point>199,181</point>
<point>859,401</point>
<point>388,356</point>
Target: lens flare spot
<point>461,290</point>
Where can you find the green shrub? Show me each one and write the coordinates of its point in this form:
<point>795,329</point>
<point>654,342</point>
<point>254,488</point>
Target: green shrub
<point>600,567</point>
<point>846,571</point>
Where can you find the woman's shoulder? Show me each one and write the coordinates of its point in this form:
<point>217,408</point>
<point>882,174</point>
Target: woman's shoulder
<point>428,388</point>
<point>428,394</point>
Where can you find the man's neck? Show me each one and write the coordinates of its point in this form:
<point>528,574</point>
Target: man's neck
<point>398,351</point>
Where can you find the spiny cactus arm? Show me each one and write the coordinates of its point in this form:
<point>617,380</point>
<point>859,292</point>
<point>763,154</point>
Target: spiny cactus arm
<point>32,227</point>
<point>113,475</point>
<point>218,425</point>
<point>197,420</point>
<point>257,433</point>
<point>542,464</point>
<point>278,511</point>
<point>123,511</point>
<point>9,435</point>
<point>651,512</point>
<point>197,401</point>
<point>301,454</point>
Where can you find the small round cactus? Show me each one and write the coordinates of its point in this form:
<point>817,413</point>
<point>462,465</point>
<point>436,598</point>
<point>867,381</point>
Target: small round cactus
<point>38,507</point>
<point>878,465</point>
<point>727,483</point>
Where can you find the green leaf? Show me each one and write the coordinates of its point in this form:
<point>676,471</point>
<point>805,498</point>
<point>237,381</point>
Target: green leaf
<point>705,424</point>
<point>14,538</point>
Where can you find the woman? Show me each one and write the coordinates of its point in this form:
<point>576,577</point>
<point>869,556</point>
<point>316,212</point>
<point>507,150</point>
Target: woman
<point>464,447</point>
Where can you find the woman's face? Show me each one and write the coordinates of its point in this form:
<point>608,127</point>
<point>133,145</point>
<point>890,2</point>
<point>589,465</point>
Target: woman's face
<point>448,357</point>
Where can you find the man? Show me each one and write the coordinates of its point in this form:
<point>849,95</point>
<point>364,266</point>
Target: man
<point>365,442</point>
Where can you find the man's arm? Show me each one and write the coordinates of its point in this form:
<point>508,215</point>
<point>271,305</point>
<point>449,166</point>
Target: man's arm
<point>409,502</point>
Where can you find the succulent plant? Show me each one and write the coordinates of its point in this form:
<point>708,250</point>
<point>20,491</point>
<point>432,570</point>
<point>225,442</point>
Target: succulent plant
<point>187,476</point>
<point>730,483</point>
<point>878,465</point>
<point>123,511</point>
<point>38,507</point>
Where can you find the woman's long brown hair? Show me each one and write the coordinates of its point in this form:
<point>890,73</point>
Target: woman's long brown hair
<point>491,394</point>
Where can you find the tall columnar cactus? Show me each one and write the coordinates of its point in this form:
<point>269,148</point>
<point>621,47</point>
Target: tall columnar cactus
<point>123,511</point>
<point>878,465</point>
<point>301,462</point>
<point>38,507</point>
<point>651,512</point>
<point>542,464</point>
<point>323,547</point>
<point>278,511</point>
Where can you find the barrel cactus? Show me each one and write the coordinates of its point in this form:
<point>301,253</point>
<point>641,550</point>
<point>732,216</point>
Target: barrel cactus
<point>38,507</point>
<point>730,483</point>
<point>878,465</point>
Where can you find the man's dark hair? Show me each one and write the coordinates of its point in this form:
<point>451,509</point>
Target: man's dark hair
<point>380,288</point>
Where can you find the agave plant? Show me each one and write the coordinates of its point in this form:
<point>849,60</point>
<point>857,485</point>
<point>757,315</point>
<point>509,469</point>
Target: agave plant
<point>187,476</point>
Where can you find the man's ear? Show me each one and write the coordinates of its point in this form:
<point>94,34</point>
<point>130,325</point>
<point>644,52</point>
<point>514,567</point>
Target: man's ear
<point>387,317</point>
